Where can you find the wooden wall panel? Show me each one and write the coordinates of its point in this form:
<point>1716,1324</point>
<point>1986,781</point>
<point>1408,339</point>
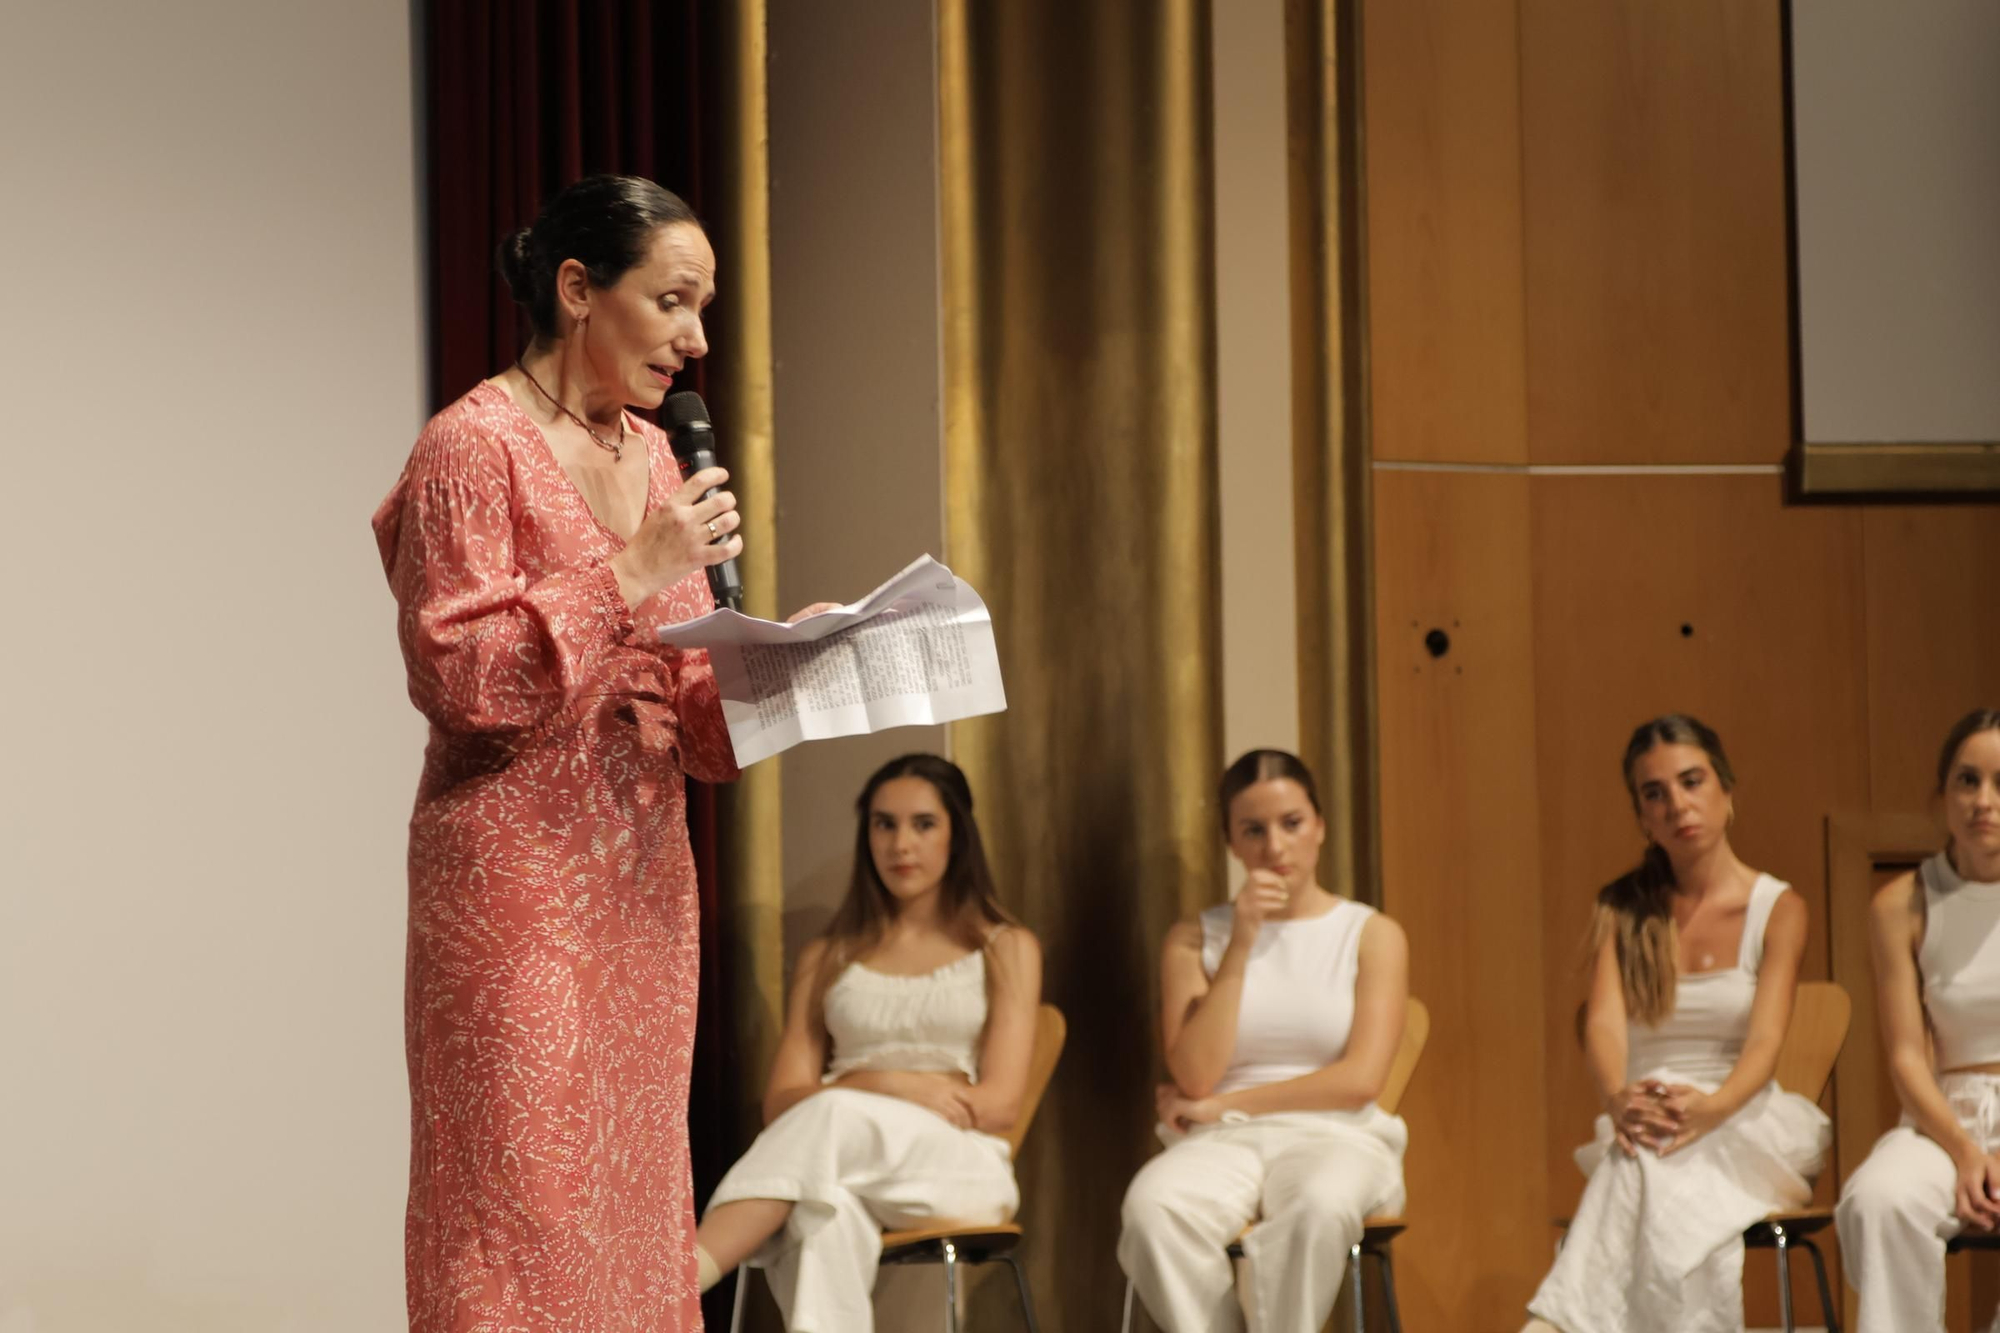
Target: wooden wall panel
<point>1459,871</point>
<point>1444,231</point>
<point>1653,183</point>
<point>1933,640</point>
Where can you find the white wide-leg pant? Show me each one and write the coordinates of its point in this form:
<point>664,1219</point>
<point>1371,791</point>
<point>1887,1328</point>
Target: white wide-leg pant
<point>1657,1242</point>
<point>1897,1211</point>
<point>1308,1179</point>
<point>854,1163</point>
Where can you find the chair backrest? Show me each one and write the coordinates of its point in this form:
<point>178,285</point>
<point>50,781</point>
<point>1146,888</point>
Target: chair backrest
<point>1416,1031</point>
<point>1820,1014</point>
<point>1051,1030</point>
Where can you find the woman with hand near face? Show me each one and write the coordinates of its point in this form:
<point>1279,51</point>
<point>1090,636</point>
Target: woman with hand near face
<point>1281,1015</point>
<point>1936,937</point>
<point>537,538</point>
<point>904,1058</point>
<point>1696,960</point>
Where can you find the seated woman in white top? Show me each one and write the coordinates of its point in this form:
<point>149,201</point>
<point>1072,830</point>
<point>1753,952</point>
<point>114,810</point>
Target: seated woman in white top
<point>1695,964</point>
<point>1937,965</point>
<point>905,1056</point>
<point>1281,1015</point>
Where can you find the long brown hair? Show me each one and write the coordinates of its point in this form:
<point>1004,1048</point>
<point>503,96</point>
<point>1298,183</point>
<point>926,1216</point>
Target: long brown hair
<point>969,905</point>
<point>1636,909</point>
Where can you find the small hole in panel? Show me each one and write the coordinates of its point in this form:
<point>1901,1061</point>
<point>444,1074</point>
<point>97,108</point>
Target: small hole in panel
<point>1687,631</point>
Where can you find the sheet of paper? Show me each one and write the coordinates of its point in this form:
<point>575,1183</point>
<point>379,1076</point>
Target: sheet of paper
<point>916,651</point>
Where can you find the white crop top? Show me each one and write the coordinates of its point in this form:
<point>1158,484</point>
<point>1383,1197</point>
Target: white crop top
<point>1960,965</point>
<point>932,1021</point>
<point>1704,1035</point>
<point>1298,992</point>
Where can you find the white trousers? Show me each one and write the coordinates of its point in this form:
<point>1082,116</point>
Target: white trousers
<point>1898,1210</point>
<point>1657,1242</point>
<point>1307,1178</point>
<point>854,1163</point>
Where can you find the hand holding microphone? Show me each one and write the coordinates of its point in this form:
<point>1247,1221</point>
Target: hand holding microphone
<point>697,526</point>
<point>694,446</point>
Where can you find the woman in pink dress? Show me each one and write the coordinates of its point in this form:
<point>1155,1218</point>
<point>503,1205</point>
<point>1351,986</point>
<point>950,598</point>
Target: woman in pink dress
<point>537,538</point>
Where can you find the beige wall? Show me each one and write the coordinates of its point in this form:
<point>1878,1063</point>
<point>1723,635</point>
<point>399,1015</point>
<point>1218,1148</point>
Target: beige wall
<point>1260,677</point>
<point>212,342</point>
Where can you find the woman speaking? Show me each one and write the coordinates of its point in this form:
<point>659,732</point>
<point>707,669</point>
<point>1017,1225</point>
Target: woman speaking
<point>538,536</point>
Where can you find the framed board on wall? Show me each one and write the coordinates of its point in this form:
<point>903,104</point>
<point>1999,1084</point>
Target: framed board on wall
<point>1894,118</point>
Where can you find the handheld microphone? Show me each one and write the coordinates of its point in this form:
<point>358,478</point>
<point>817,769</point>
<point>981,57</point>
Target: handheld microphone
<point>694,449</point>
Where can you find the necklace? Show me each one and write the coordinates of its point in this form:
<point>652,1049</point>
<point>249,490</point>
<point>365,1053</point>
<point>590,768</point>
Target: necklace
<point>616,448</point>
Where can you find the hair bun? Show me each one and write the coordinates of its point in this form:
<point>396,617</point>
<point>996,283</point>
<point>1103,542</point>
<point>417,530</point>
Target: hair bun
<point>515,266</point>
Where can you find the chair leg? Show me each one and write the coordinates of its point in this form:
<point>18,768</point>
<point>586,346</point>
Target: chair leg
<point>1784,1243</point>
<point>1021,1285</point>
<point>1389,1290</point>
<point>1828,1313</point>
<point>1354,1280</point>
<point>1125,1322</point>
<point>736,1302</point>
<point>950,1252</point>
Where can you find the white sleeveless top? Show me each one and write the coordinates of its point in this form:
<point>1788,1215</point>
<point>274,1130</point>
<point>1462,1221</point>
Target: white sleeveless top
<point>932,1021</point>
<point>1701,1040</point>
<point>1298,992</point>
<point>1960,964</point>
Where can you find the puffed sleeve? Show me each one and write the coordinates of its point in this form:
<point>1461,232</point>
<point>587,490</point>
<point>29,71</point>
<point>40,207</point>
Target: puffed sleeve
<point>706,753</point>
<point>487,649</point>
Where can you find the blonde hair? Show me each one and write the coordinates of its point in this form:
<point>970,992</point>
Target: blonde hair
<point>1636,909</point>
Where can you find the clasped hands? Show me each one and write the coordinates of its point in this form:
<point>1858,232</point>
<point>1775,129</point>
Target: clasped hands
<point>1179,1111</point>
<point>1664,1117</point>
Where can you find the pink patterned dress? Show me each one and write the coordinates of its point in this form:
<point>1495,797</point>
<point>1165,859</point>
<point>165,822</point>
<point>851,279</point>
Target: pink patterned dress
<point>550,1001</point>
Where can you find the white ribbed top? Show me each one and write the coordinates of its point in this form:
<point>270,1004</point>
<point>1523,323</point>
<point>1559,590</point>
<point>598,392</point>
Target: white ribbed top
<point>1701,1040</point>
<point>929,1021</point>
<point>1960,963</point>
<point>1298,992</point>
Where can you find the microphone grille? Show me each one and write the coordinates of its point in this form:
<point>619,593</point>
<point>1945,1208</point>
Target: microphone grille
<point>684,409</point>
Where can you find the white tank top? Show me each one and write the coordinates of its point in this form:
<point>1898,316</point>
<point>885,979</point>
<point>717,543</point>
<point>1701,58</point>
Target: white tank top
<point>1298,992</point>
<point>1701,1040</point>
<point>932,1021</point>
<point>1960,964</point>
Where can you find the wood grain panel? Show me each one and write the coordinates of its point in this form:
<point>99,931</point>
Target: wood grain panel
<point>1653,186</point>
<point>1442,129</point>
<point>1933,640</point>
<point>1705,595</point>
<point>1460,872</point>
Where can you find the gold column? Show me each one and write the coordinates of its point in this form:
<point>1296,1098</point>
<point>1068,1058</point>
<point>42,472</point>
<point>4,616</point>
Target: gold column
<point>1330,452</point>
<point>1079,498</point>
<point>750,810</point>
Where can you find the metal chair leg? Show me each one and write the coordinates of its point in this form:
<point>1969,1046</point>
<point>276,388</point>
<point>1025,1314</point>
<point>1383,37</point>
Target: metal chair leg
<point>1021,1286</point>
<point>1354,1280</point>
<point>1389,1289</point>
<point>1829,1314</point>
<point>950,1286</point>
<point>736,1304</point>
<point>1784,1277</point>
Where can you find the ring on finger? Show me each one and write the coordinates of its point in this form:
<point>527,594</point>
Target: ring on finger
<point>713,535</point>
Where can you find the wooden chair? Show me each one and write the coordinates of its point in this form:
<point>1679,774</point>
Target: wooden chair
<point>1820,1014</point>
<point>1376,1232</point>
<point>955,1243</point>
